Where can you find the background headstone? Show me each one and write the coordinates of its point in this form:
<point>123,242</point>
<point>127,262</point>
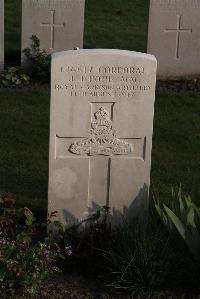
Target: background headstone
<point>59,24</point>
<point>101,124</point>
<point>1,34</point>
<point>174,37</point>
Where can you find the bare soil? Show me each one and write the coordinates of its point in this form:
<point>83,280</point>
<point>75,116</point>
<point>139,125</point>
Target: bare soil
<point>77,287</point>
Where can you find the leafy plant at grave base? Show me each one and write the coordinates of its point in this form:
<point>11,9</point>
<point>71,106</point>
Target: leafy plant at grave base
<point>185,216</point>
<point>134,259</point>
<point>13,77</point>
<point>89,240</point>
<point>24,261</point>
<point>37,62</point>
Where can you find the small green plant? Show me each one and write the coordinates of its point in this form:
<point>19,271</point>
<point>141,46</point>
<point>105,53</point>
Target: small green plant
<point>13,77</point>
<point>140,260</point>
<point>185,216</point>
<point>26,259</point>
<point>37,61</point>
<point>137,260</point>
<point>88,239</point>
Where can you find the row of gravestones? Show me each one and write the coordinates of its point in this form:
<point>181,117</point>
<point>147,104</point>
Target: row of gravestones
<point>173,31</point>
<point>102,108</point>
<point>59,24</point>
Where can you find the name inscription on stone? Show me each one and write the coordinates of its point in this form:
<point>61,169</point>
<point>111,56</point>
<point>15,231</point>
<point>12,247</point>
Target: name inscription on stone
<point>102,81</point>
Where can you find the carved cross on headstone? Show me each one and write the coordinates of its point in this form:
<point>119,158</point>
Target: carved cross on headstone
<point>178,30</point>
<point>52,25</point>
<point>102,140</point>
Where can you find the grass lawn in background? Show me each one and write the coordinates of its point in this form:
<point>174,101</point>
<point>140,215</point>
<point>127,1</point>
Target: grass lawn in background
<point>119,24</point>
<point>108,24</point>
<point>24,146</point>
<point>12,31</point>
<point>176,143</point>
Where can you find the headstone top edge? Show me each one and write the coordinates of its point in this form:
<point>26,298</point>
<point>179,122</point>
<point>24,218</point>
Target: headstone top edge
<point>168,3</point>
<point>118,52</point>
<point>175,1</point>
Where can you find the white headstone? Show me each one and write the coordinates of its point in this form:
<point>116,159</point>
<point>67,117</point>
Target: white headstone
<point>59,24</point>
<point>1,34</point>
<point>174,27</point>
<point>101,124</point>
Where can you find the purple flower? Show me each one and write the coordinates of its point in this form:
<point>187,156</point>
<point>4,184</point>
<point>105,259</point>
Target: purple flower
<point>68,250</point>
<point>3,241</point>
<point>58,250</point>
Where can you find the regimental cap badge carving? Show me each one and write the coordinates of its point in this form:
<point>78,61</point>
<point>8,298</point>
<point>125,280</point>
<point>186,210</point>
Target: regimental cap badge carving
<point>102,139</point>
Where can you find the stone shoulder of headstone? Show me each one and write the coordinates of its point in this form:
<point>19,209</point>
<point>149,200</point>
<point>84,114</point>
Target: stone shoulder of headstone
<point>101,126</point>
<point>78,51</point>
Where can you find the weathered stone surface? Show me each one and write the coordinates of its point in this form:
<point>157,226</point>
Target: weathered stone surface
<point>59,24</point>
<point>173,37</point>
<point>101,124</point>
<point>1,34</point>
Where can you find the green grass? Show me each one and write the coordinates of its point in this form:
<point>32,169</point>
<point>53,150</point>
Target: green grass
<point>24,135</point>
<point>108,24</point>
<point>176,143</point>
<point>116,24</point>
<point>12,30</point>
<point>24,146</point>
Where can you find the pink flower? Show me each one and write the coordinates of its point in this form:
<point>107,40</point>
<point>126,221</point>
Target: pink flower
<point>68,250</point>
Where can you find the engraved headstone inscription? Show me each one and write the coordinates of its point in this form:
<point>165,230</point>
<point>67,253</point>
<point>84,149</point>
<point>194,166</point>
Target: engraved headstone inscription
<point>173,37</point>
<point>59,24</point>
<point>101,124</point>
<point>1,34</point>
